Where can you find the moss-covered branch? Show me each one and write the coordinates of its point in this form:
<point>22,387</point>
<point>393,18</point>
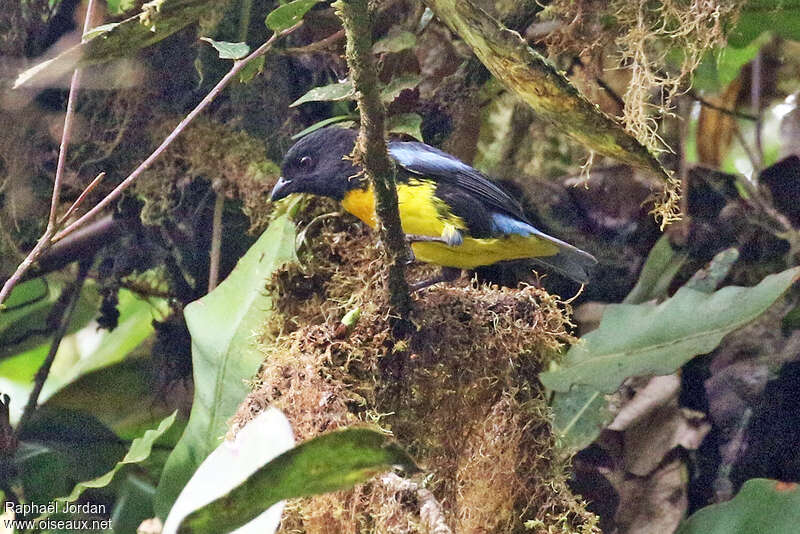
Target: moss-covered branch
<point>544,88</point>
<point>371,152</point>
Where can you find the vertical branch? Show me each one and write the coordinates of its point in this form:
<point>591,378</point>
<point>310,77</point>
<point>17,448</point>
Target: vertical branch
<point>371,152</point>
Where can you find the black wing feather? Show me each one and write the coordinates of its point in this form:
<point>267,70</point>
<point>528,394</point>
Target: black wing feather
<point>426,160</point>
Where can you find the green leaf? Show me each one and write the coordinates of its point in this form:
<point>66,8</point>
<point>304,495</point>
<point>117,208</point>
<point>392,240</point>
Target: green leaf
<point>327,93</point>
<point>395,42</point>
<point>139,451</point>
<point>780,17</point>
<point>259,441</point>
<point>644,339</point>
<point>761,505</point>
<point>102,394</point>
<point>578,417</point>
<point>405,123</point>
<point>158,20</point>
<point>331,462</point>
<point>662,264</point>
<point>59,448</point>
<point>289,14</point>
<point>133,505</point>
<point>224,353</point>
<point>228,50</point>
<point>323,123</point>
<point>720,67</point>
<point>23,324</point>
<point>397,85</point>
<point>252,69</point>
<point>118,7</point>
<point>709,278</point>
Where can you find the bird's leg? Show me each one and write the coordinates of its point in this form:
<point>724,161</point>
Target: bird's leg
<point>447,274</point>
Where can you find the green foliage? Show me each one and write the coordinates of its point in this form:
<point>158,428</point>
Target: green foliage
<point>761,505</point>
<point>327,463</point>
<point>780,17</point>
<point>263,438</point>
<point>121,396</point>
<point>646,338</point>
<point>72,362</point>
<point>157,21</point>
<point>139,451</point>
<point>395,42</point>
<point>405,123</point>
<point>228,50</point>
<point>23,324</point>
<point>327,93</point>
<point>662,264</point>
<point>59,448</point>
<point>578,417</point>
<point>224,354</point>
<point>289,14</point>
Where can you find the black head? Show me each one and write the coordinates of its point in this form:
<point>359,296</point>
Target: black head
<point>315,164</point>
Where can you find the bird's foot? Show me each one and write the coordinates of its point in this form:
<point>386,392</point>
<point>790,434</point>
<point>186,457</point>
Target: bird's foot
<point>447,274</point>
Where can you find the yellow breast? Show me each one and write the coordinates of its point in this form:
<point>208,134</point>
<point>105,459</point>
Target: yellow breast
<point>422,213</point>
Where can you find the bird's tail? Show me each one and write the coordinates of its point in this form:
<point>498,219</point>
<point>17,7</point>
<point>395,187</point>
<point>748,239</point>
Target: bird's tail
<point>570,261</point>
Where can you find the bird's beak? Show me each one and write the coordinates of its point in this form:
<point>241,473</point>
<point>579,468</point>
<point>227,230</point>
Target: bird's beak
<point>281,189</point>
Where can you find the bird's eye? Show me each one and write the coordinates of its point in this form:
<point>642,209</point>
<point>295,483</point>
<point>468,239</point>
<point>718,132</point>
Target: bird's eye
<point>306,163</point>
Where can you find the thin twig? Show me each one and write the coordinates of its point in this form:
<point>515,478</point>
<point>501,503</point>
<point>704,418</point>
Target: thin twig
<point>755,102</point>
<point>75,205</point>
<point>70,301</point>
<point>316,45</point>
<point>747,150</point>
<point>231,74</point>
<point>732,112</point>
<point>216,242</point>
<point>47,237</point>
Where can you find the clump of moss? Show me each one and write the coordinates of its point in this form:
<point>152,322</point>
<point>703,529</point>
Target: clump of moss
<point>460,393</point>
<point>231,160</point>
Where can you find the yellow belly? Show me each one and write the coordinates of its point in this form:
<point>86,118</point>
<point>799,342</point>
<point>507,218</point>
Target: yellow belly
<point>421,214</point>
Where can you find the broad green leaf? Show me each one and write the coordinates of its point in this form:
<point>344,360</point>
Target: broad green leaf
<point>158,20</point>
<point>95,350</point>
<point>761,505</point>
<point>527,73</point>
<point>578,417</point>
<point>23,324</point>
<point>59,448</point>
<point>116,396</point>
<point>224,353</point>
<point>721,67</point>
<point>323,123</point>
<point>134,504</point>
<point>405,123</point>
<point>262,439</point>
<point>139,451</point>
<point>117,7</point>
<point>397,85</point>
<point>331,462</point>
<point>327,93</point>
<point>644,339</point>
<point>289,14</point>
<point>228,50</point>
<point>395,42</point>
<point>781,17</point>
<point>662,264</point>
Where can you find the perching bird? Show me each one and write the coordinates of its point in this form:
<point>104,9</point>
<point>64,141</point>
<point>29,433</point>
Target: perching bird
<point>452,214</point>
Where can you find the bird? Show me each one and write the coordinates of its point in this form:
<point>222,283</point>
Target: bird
<point>453,215</point>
